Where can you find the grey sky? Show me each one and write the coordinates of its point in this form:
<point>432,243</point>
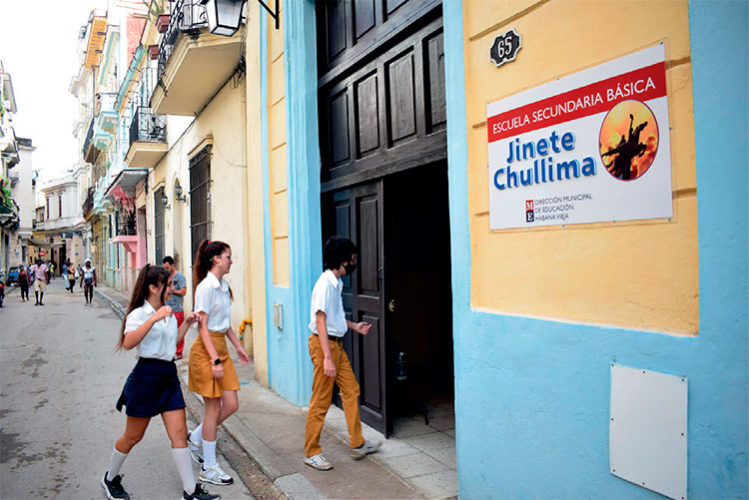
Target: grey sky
<point>38,47</point>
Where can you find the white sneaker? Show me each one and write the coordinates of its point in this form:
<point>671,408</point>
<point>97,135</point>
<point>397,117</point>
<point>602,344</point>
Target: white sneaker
<point>215,475</point>
<point>365,449</point>
<point>318,462</point>
<point>196,451</point>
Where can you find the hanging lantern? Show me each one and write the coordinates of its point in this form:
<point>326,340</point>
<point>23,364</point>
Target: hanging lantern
<point>224,16</point>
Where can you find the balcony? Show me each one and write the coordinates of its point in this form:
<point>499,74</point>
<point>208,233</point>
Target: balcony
<point>193,63</point>
<point>58,223</point>
<point>147,139</point>
<point>88,205</point>
<point>89,151</point>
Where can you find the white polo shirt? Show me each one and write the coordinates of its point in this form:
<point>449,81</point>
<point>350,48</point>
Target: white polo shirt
<point>161,341</point>
<point>326,297</point>
<point>212,297</point>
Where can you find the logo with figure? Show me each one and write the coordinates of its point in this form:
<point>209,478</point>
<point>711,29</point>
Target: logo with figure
<point>629,140</point>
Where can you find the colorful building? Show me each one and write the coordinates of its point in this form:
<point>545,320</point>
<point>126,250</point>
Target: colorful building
<point>374,123</point>
<point>610,305</point>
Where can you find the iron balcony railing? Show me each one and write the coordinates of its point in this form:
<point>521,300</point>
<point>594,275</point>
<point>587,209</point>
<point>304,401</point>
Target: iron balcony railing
<point>89,136</point>
<point>187,16</point>
<point>147,126</point>
<point>88,205</point>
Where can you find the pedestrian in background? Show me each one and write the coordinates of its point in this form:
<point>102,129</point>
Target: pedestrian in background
<point>71,274</point>
<point>212,373</point>
<point>23,282</point>
<point>179,290</point>
<point>331,365</point>
<point>153,387</point>
<point>52,268</point>
<point>41,272</point>
<point>88,281</point>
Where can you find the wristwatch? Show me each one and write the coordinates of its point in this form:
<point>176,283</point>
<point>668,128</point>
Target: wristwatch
<point>216,362</point>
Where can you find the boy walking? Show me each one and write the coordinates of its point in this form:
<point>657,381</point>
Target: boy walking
<point>179,286</point>
<point>331,365</point>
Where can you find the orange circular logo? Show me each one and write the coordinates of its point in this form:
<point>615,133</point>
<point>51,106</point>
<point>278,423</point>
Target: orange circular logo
<point>628,141</point>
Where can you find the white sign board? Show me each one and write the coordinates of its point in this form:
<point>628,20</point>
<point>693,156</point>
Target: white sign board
<point>590,147</point>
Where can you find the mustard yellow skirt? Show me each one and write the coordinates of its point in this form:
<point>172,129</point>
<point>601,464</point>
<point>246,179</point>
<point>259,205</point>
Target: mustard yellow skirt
<point>200,379</point>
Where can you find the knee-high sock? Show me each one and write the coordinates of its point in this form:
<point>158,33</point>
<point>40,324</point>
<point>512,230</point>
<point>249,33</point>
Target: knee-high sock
<point>196,436</point>
<point>184,466</point>
<point>209,453</point>
<point>115,463</point>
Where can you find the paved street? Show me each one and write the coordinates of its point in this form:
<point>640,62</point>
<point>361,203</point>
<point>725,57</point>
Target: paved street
<point>59,381</point>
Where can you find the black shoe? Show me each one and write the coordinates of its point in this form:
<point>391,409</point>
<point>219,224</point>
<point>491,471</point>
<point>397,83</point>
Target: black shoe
<point>200,493</point>
<point>113,488</point>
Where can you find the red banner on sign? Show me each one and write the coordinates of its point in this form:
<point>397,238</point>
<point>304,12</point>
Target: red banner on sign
<point>642,84</point>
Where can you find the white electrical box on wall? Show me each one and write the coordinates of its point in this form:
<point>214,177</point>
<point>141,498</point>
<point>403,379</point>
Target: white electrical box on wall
<point>278,316</point>
<point>648,430</point>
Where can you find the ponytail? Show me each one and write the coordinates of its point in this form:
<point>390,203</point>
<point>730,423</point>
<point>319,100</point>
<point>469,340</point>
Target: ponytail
<point>203,262</point>
<point>149,275</point>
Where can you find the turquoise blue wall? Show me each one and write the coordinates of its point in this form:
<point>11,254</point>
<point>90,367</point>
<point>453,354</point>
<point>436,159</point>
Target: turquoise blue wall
<point>532,396</point>
<point>290,371</point>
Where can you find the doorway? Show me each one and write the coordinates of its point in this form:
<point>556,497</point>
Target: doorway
<point>402,286</point>
<point>419,292</point>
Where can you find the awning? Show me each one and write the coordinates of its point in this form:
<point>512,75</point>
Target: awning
<point>123,186</point>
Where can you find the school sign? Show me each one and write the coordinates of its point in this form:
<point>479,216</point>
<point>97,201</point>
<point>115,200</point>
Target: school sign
<point>589,147</point>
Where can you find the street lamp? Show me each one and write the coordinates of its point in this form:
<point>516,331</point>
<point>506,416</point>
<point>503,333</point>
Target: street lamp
<point>224,16</point>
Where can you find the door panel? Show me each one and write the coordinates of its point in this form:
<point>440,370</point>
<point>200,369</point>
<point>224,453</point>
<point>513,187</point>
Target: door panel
<point>358,215</point>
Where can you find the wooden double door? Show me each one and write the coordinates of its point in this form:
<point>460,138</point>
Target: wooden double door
<point>381,101</point>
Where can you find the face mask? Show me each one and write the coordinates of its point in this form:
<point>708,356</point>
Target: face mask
<point>349,268</point>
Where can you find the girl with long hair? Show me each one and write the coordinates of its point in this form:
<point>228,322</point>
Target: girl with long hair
<point>212,373</point>
<point>153,386</point>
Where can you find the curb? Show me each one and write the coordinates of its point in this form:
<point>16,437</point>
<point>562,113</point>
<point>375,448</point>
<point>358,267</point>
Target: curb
<point>117,308</point>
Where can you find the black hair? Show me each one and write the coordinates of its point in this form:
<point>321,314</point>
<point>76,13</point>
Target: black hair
<point>168,260</point>
<point>336,251</point>
<point>149,275</point>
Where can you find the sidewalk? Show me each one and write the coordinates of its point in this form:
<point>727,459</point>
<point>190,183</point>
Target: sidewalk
<point>419,463</point>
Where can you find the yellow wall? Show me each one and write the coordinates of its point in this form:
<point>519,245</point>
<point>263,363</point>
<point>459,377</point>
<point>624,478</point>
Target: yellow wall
<point>279,213</point>
<point>223,124</point>
<point>256,266</point>
<point>639,274</point>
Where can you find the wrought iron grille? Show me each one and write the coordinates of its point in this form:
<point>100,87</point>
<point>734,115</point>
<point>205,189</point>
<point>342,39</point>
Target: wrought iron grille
<point>187,16</point>
<point>200,197</point>
<point>88,205</point>
<point>158,229</point>
<point>89,136</point>
<point>147,126</point>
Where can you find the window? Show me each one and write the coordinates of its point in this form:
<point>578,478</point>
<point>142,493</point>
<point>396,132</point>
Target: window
<point>158,226</point>
<point>59,205</point>
<point>47,208</point>
<point>200,197</point>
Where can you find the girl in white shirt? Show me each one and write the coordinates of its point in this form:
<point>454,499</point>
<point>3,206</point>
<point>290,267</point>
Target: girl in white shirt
<point>212,372</point>
<point>153,386</point>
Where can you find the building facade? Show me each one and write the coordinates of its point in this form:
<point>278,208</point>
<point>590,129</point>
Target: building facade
<point>533,332</point>
<point>383,122</point>
<point>58,234</point>
<point>9,158</point>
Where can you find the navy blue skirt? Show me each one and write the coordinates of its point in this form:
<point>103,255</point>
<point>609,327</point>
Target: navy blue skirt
<point>151,389</point>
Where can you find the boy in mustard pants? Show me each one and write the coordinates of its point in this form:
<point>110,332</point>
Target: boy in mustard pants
<point>328,325</point>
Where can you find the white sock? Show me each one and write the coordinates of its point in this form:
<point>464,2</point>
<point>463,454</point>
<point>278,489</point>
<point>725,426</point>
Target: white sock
<point>196,436</point>
<point>115,463</point>
<point>184,467</point>
<point>209,453</point>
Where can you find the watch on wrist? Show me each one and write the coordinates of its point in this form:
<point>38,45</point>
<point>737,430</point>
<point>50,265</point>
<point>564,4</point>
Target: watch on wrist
<point>216,362</point>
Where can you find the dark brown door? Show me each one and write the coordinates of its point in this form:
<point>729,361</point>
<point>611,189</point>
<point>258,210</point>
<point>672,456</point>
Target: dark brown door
<point>357,214</point>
